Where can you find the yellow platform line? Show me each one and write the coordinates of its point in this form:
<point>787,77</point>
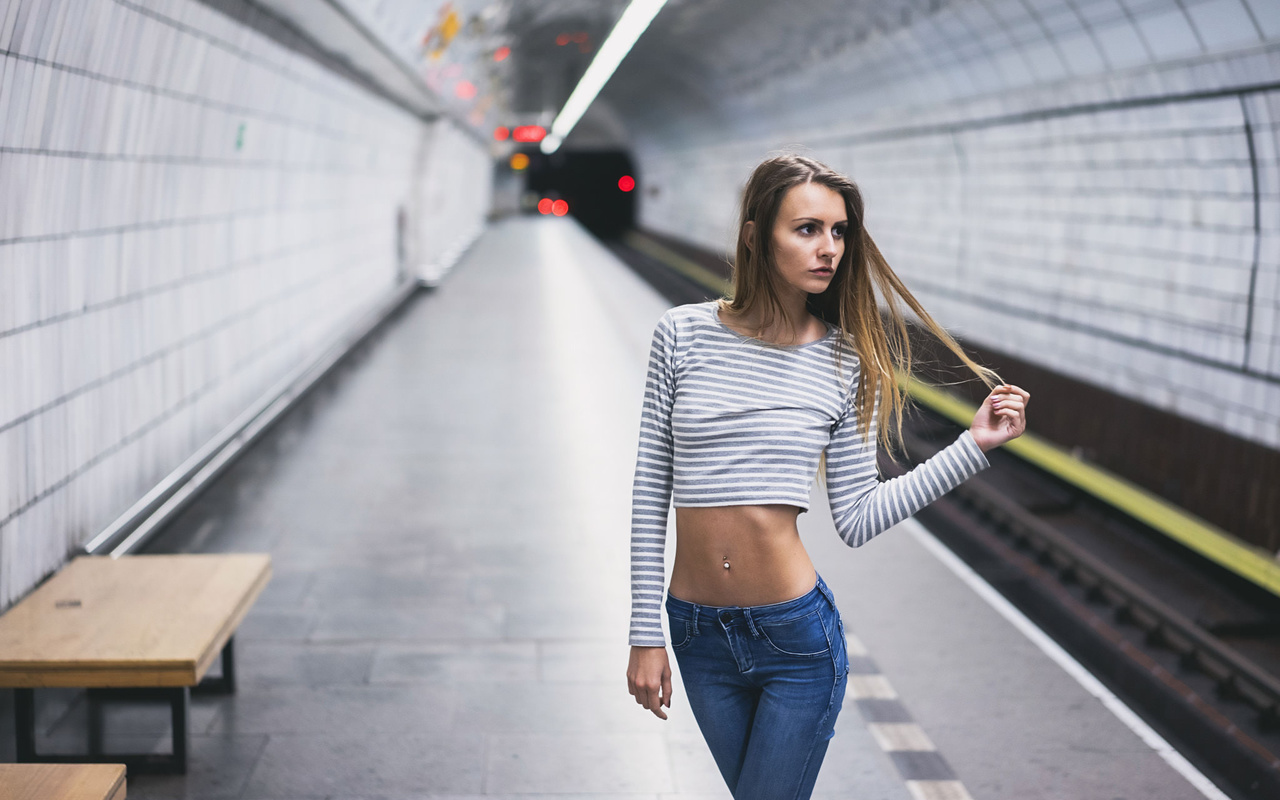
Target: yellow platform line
<point>1210,541</point>
<point>1249,562</point>
<point>686,267</point>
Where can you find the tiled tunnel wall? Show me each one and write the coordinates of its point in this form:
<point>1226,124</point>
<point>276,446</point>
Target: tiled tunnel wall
<point>188,211</point>
<point>1096,191</point>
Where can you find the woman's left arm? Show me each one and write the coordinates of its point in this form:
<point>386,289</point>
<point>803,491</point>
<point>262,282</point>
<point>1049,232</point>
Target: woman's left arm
<point>863,506</point>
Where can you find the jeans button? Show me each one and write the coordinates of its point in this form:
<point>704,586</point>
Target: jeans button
<point>726,617</point>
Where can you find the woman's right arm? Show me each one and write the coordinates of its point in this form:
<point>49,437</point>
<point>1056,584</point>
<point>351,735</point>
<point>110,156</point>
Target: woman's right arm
<point>649,672</point>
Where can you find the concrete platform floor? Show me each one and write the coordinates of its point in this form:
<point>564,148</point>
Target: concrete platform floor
<point>448,520</point>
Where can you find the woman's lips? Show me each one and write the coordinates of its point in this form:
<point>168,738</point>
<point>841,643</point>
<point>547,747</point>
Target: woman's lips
<point>823,271</point>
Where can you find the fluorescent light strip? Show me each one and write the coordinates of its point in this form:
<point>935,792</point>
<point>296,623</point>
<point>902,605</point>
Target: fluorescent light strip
<point>631,24</point>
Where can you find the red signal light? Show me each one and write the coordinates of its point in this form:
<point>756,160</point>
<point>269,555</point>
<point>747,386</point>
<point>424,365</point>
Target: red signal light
<point>545,205</point>
<point>529,133</point>
<point>501,133</point>
<point>563,39</point>
<point>559,208</point>
<point>501,53</point>
<point>626,183</point>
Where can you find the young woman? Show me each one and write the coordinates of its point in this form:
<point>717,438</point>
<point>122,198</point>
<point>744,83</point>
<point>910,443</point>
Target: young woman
<point>744,399</point>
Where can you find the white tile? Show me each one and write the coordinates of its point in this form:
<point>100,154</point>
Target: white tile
<point>871,687</point>
<point>938,790</point>
<point>1223,24</point>
<point>1120,44</point>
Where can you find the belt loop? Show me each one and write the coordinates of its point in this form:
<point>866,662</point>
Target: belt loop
<point>696,608</point>
<point>826,592</point>
<point>751,623</point>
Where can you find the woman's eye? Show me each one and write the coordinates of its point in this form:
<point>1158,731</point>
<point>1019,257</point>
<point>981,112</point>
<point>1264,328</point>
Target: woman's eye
<point>838,232</point>
<point>806,229</point>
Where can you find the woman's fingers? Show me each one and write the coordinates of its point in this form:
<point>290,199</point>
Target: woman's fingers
<point>1003,416</point>
<point>652,699</point>
<point>649,678</point>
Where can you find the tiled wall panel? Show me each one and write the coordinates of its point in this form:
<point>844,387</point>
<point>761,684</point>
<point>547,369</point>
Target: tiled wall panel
<point>188,210</point>
<point>1050,205</point>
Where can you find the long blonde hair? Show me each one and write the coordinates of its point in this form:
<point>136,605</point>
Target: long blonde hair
<point>881,342</point>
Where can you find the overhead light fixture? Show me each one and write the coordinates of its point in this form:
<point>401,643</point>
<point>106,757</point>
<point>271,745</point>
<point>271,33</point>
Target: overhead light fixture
<point>631,24</point>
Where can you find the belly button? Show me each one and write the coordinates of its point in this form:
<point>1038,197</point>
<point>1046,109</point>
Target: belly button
<point>726,562</point>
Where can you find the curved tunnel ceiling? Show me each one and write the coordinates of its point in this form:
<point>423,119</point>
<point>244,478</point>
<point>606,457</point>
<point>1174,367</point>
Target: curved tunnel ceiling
<point>708,69</point>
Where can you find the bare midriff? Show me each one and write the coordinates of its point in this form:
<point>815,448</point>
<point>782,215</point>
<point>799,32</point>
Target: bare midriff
<point>767,561</point>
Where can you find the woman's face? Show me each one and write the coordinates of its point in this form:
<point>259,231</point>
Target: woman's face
<point>808,237</point>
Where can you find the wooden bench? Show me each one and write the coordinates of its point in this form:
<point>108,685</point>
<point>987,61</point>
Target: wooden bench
<point>131,628</point>
<point>61,782</point>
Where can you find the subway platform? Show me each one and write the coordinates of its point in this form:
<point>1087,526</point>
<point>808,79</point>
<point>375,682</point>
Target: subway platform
<point>448,520</point>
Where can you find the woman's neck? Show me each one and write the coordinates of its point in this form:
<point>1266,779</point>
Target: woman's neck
<point>791,324</point>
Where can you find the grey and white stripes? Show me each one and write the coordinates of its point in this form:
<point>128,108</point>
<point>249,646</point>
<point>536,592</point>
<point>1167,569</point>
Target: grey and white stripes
<point>730,421</point>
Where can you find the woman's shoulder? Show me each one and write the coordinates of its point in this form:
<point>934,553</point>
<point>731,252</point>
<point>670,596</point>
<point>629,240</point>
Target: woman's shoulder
<point>689,316</point>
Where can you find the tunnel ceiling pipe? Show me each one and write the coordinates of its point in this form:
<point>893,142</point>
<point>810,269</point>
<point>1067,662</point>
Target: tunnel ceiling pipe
<point>633,22</point>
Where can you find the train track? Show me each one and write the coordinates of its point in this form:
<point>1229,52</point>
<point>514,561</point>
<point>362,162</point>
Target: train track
<point>1191,647</point>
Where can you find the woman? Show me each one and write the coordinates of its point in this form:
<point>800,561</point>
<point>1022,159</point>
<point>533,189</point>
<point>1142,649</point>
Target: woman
<point>743,400</point>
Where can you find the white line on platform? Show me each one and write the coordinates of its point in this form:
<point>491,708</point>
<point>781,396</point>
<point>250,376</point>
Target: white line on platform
<point>1063,659</point>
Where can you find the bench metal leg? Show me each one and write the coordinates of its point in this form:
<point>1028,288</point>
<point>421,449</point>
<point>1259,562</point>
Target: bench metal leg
<point>178,699</point>
<point>181,716</point>
<point>226,683</point>
<point>24,717</point>
<point>95,723</point>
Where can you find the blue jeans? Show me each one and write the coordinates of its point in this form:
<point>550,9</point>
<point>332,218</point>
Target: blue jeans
<point>765,684</point>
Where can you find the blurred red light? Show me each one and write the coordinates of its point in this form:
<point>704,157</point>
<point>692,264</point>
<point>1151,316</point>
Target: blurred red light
<point>559,208</point>
<point>501,53</point>
<point>545,205</point>
<point>580,37</point>
<point>465,90</point>
<point>626,183</point>
<point>563,39</point>
<point>501,133</point>
<point>529,133</point>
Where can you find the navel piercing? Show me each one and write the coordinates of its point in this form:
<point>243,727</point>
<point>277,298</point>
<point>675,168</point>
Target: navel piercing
<point>726,562</point>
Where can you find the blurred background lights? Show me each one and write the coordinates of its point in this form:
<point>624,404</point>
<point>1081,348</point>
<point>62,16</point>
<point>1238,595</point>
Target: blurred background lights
<point>465,90</point>
<point>626,183</point>
<point>519,161</point>
<point>501,53</point>
<point>544,205</point>
<point>529,133</point>
<point>501,133</point>
<point>559,208</point>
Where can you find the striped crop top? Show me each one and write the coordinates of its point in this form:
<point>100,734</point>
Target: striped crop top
<point>728,420</point>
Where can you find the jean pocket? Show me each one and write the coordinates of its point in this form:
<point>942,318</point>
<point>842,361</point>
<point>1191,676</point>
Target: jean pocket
<point>803,637</point>
<point>681,631</point>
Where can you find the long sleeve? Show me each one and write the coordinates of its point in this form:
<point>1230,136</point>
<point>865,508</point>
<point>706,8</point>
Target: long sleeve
<point>651,491</point>
<point>863,505</point>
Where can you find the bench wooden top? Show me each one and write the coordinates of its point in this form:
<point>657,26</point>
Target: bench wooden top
<point>61,782</point>
<point>138,621</point>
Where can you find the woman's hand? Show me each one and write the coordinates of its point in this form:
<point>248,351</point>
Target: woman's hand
<point>649,678</point>
<point>1002,416</point>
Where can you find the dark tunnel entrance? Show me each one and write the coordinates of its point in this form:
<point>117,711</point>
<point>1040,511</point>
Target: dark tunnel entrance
<point>599,186</point>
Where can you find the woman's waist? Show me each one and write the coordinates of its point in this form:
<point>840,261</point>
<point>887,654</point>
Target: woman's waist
<point>740,555</point>
<point>791,608</point>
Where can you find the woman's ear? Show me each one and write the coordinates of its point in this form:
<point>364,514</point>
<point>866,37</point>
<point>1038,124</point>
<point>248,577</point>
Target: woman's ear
<point>749,233</point>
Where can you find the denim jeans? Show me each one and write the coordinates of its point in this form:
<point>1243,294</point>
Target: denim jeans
<point>765,684</point>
